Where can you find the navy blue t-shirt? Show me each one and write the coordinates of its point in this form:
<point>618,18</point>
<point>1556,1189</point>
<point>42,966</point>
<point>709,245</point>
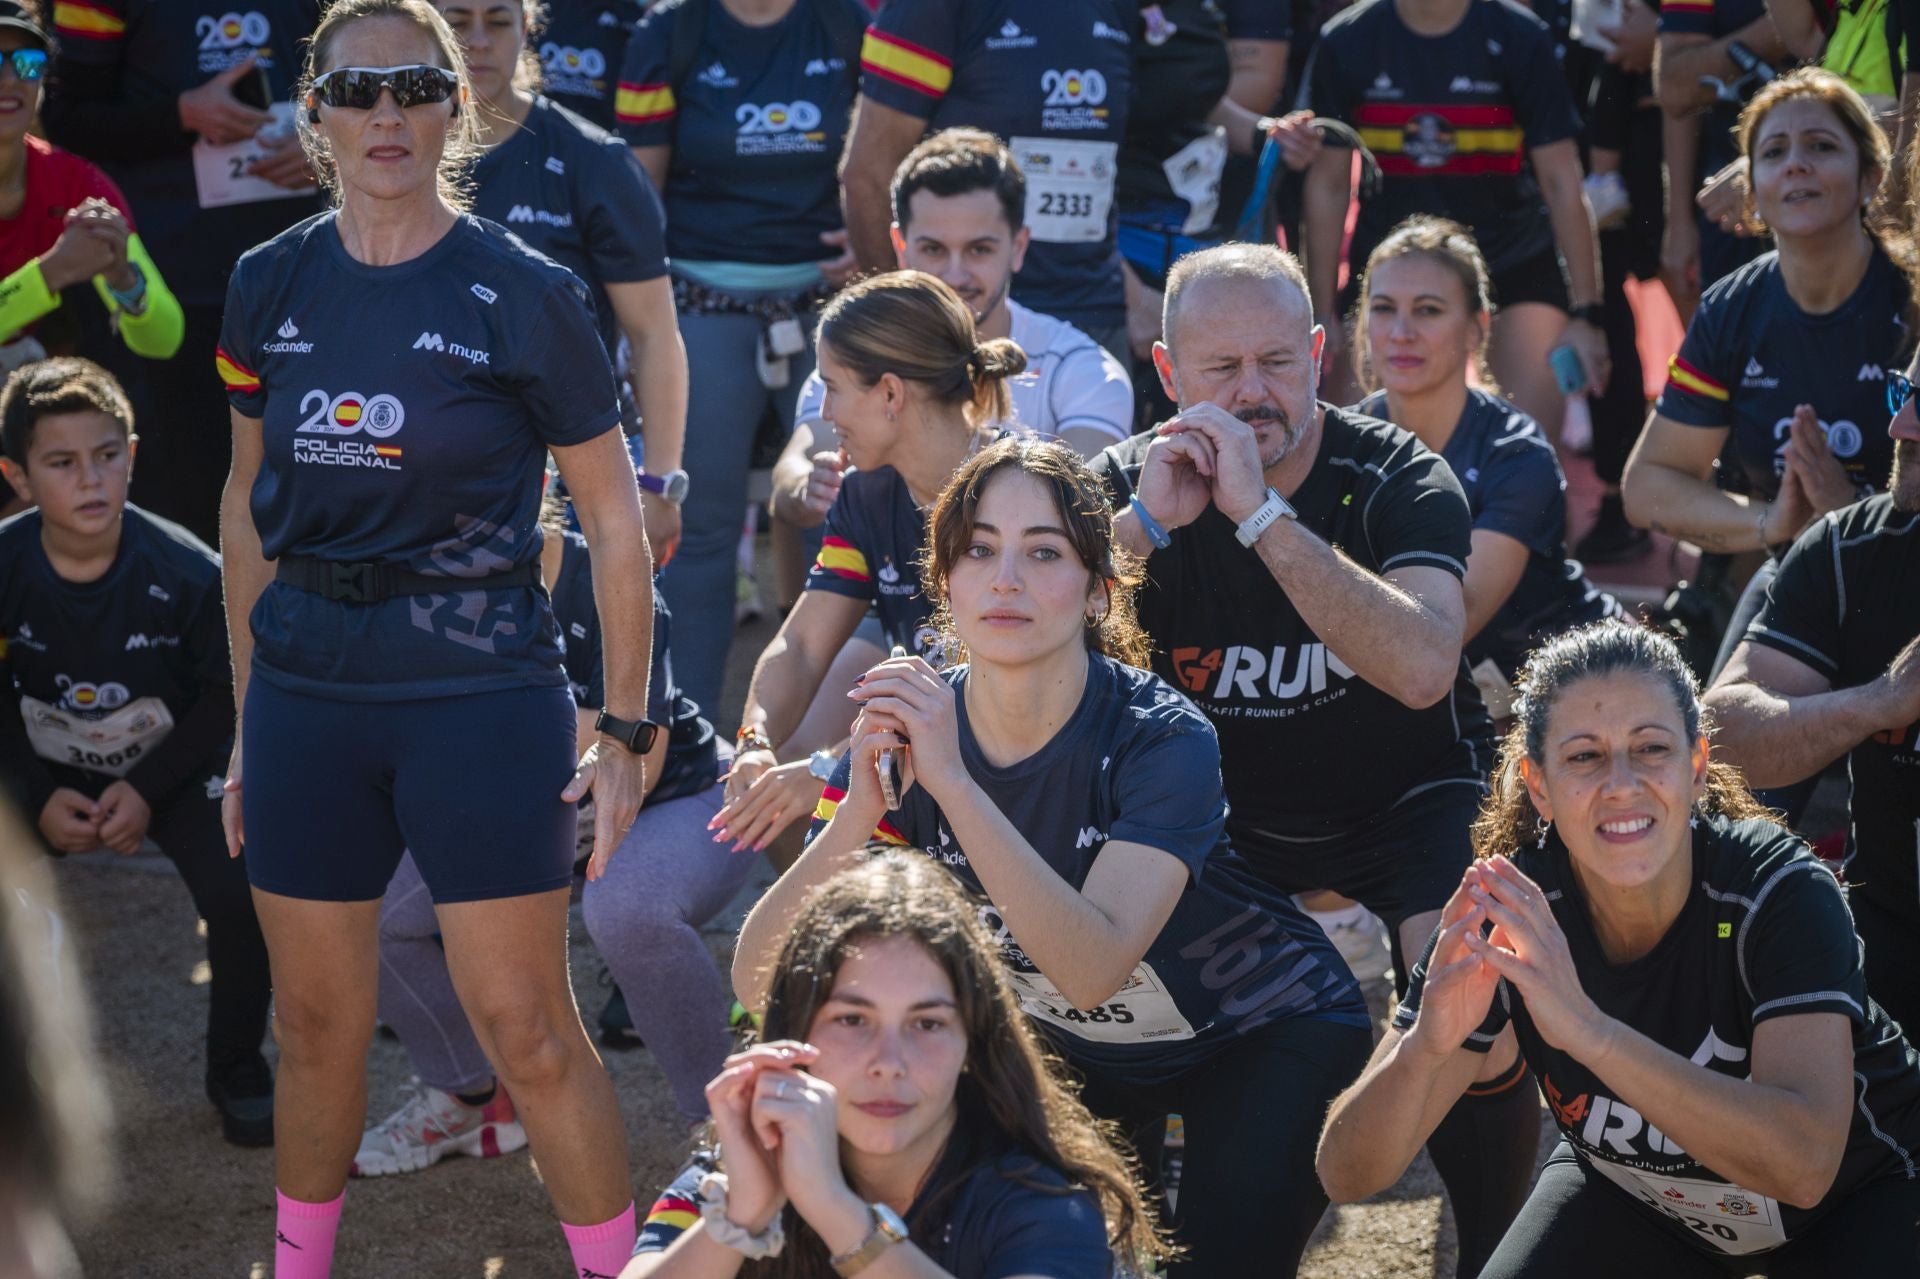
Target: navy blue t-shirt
<point>1055,81</point>
<point>580,51</point>
<point>574,192</point>
<point>871,552</point>
<point>406,412</point>
<point>1515,487</point>
<point>1451,118</point>
<point>1012,1215</point>
<point>105,676</point>
<point>1751,355</point>
<point>756,132</point>
<point>155,50</point>
<point>692,755</point>
<point>1764,933</point>
<point>1137,762</point>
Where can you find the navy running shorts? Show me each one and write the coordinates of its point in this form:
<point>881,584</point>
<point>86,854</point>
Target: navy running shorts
<point>336,791</point>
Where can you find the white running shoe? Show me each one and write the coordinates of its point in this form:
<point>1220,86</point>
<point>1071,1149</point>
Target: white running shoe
<point>431,1125</point>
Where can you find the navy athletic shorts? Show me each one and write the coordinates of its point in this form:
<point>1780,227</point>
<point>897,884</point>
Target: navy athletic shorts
<point>336,791</point>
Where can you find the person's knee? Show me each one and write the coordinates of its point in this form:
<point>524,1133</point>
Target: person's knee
<point>322,1027</point>
<point>629,915</point>
<point>527,1044</point>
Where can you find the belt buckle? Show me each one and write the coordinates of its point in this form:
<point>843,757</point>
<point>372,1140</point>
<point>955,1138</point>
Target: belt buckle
<point>351,582</point>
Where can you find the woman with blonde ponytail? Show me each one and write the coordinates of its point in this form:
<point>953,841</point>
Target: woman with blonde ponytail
<point>1684,979</point>
<point>911,393</point>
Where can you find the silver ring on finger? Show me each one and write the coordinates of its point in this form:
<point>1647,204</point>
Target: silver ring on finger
<point>780,1089</point>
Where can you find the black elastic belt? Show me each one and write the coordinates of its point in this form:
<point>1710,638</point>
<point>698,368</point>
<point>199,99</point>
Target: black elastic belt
<point>374,583</point>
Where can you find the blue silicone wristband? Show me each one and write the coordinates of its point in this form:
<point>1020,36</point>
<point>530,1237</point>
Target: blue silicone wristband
<point>1160,538</point>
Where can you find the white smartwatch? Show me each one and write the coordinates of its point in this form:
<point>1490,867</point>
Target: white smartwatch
<point>1271,512</point>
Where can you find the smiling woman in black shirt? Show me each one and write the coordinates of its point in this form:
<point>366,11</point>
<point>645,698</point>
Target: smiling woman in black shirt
<point>1684,979</point>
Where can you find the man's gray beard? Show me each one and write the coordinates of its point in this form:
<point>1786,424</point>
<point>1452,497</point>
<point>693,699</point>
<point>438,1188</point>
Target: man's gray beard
<point>1905,483</point>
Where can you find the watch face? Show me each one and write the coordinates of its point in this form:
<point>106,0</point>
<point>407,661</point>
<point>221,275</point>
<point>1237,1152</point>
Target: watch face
<point>889,1221</point>
<point>674,487</point>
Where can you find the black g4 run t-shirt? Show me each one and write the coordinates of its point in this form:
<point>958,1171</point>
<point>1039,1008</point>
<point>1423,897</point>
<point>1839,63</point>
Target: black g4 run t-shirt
<point>1765,933</point>
<point>1309,749</point>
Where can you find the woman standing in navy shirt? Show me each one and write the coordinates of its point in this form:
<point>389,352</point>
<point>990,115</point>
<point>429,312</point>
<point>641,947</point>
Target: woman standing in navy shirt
<point>742,142</point>
<point>398,371</point>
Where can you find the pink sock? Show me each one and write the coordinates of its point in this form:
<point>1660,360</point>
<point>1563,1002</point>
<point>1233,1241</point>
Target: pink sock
<point>303,1237</point>
<point>601,1252</point>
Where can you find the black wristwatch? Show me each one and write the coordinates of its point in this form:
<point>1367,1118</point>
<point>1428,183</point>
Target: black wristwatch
<point>635,734</point>
<point>672,486</point>
<point>1593,313</point>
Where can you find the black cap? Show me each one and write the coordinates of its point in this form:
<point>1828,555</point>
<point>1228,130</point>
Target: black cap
<point>21,18</point>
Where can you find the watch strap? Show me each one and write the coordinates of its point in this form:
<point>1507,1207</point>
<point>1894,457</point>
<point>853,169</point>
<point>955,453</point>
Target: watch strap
<point>1271,512</point>
<point>887,1231</point>
<point>637,735</point>
<point>1592,313</point>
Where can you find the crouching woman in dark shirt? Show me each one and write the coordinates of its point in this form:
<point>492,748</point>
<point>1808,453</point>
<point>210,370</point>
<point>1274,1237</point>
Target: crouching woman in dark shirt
<point>1684,979</point>
<point>1080,797</point>
<point>898,1118</point>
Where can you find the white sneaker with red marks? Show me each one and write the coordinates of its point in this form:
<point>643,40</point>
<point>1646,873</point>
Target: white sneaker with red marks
<point>432,1125</point>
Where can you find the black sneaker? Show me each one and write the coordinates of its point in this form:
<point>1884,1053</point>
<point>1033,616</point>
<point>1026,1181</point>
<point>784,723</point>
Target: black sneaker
<point>1612,540</point>
<point>243,1094</point>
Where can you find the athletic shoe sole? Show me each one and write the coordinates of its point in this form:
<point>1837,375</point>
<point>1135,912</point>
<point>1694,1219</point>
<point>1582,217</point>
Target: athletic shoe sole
<point>488,1141</point>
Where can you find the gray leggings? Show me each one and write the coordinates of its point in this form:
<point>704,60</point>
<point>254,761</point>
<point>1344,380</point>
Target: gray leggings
<point>644,915</point>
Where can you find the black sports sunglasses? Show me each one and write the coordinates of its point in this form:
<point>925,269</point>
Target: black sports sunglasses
<point>358,88</point>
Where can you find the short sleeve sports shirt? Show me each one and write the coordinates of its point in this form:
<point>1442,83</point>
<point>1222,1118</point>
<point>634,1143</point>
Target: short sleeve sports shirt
<point>1055,81</point>
<point>580,52</point>
<point>1301,735</point>
<point>1138,763</point>
<point>406,412</point>
<point>1844,604</point>
<point>574,192</point>
<point>1515,487</point>
<point>1751,355</point>
<point>1450,118</point>
<point>756,130</point>
<point>1764,934</point>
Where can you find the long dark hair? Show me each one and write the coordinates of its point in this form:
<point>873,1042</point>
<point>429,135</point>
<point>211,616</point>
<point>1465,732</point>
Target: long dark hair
<point>1081,501</point>
<point>1012,1099</point>
<point>1507,816</point>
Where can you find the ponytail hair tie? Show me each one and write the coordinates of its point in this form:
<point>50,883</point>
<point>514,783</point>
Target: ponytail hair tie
<point>976,363</point>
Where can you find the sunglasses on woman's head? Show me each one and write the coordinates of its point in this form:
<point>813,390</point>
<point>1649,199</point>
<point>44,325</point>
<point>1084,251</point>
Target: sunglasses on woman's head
<point>1899,391</point>
<point>358,88</point>
<point>27,64</point>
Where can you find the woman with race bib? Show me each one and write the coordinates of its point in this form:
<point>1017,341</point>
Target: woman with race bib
<point>399,371</point>
<point>1080,797</point>
<point>1685,982</point>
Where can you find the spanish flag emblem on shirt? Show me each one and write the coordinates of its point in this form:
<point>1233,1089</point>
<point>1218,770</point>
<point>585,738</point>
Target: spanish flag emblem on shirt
<point>1684,377</point>
<point>843,559</point>
<point>905,63</point>
<point>885,833</point>
<point>83,21</point>
<point>1687,8</point>
<point>1415,140</point>
<point>236,375</point>
<point>644,103</point>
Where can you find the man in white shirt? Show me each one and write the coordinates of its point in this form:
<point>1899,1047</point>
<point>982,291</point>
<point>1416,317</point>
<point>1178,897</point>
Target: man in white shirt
<point>959,205</point>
